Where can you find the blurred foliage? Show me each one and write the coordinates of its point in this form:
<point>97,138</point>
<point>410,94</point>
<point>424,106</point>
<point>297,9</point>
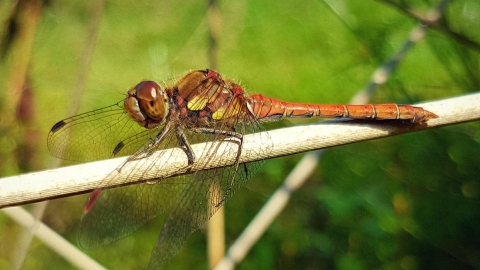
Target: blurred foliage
<point>406,202</point>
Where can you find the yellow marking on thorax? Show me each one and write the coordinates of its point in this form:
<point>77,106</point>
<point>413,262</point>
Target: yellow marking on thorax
<point>197,103</point>
<point>227,112</point>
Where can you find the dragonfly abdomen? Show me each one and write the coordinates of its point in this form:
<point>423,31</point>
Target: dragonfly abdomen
<point>270,108</point>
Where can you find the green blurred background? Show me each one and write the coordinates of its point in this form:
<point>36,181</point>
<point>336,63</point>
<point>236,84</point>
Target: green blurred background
<point>406,202</point>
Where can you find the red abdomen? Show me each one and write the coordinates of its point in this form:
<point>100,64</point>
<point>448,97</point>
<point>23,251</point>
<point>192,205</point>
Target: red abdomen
<point>270,108</point>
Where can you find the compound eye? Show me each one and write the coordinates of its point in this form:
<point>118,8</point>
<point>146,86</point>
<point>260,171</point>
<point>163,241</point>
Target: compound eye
<point>152,100</point>
<point>147,90</point>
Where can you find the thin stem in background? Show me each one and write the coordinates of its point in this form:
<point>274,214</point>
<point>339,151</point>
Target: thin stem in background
<point>216,224</point>
<point>431,19</point>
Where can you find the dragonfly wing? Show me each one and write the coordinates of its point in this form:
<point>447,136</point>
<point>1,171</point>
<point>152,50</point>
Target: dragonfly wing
<point>96,134</point>
<point>118,212</point>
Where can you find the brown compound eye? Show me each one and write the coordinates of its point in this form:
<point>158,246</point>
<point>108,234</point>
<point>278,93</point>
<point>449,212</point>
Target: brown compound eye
<point>152,100</point>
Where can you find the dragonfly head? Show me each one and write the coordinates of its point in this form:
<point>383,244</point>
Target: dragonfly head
<point>147,104</point>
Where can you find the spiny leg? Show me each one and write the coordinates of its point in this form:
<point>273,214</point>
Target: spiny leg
<point>182,139</point>
<point>147,150</point>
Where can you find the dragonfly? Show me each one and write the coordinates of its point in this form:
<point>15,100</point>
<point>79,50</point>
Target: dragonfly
<point>199,107</point>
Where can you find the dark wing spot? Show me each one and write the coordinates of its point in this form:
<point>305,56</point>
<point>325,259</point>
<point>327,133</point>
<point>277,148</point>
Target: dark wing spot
<point>58,126</point>
<point>245,169</point>
<point>118,148</point>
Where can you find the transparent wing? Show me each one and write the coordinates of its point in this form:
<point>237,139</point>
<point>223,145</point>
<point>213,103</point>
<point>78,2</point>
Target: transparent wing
<point>96,134</point>
<point>206,193</point>
<point>120,211</point>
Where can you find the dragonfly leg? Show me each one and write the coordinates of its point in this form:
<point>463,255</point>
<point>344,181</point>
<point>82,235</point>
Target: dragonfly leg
<point>144,151</point>
<point>182,139</point>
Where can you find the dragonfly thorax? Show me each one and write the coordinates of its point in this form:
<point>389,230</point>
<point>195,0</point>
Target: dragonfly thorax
<point>147,104</point>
